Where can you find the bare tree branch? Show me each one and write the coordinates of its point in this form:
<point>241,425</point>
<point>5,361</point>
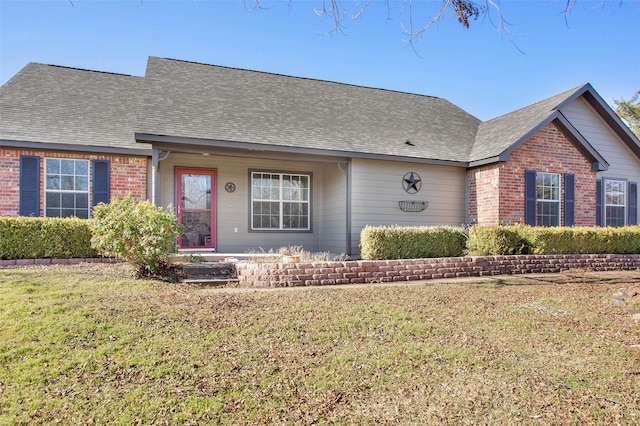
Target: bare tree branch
<point>335,11</point>
<point>362,9</point>
<point>464,11</point>
<point>414,34</point>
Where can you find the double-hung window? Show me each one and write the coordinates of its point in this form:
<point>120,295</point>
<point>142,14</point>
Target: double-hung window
<point>615,202</point>
<point>548,199</point>
<point>280,201</point>
<point>66,188</point>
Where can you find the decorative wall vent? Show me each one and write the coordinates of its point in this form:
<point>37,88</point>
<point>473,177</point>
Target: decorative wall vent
<point>413,206</point>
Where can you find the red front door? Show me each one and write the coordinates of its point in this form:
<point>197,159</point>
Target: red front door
<point>196,207</point>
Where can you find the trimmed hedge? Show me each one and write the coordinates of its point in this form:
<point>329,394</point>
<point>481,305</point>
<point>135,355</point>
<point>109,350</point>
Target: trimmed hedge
<point>411,242</point>
<point>584,240</point>
<point>521,239</point>
<point>42,237</point>
<point>497,240</point>
<point>45,237</point>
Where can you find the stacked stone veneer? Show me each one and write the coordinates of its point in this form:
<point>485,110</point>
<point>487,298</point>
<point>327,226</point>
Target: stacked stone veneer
<point>365,271</point>
<point>128,175</point>
<point>496,191</point>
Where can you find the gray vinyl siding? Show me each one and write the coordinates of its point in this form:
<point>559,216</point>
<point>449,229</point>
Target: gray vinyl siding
<point>333,222</point>
<point>233,209</point>
<point>623,163</point>
<point>377,188</point>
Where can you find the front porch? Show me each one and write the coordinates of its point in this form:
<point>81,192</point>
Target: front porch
<point>221,197</point>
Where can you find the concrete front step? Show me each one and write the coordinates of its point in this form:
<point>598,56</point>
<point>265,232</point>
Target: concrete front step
<point>207,256</point>
<point>209,273</point>
<point>211,281</point>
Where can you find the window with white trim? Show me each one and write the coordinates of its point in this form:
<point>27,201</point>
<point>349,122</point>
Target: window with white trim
<point>548,199</point>
<point>280,201</point>
<point>615,202</point>
<point>66,188</point>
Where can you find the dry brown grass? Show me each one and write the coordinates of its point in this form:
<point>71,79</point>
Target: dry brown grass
<point>89,344</point>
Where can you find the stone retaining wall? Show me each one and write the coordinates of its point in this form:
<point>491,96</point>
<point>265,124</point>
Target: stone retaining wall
<point>365,271</point>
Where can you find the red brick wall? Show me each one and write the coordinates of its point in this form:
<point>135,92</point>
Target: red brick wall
<point>484,195</point>
<point>548,151</point>
<point>128,175</point>
<point>9,182</point>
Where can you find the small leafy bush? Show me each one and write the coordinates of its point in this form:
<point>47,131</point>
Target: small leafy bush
<point>411,242</point>
<point>45,237</point>
<point>138,232</point>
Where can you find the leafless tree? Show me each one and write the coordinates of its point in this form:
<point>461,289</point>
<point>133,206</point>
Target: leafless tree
<point>464,11</point>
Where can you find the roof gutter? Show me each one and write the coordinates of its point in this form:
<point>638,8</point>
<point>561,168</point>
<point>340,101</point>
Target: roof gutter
<point>197,145</point>
<point>76,148</point>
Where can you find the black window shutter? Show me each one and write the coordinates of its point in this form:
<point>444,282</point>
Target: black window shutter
<point>633,203</point>
<point>101,183</point>
<point>530,197</point>
<point>29,185</point>
<point>569,195</point>
<point>599,202</point>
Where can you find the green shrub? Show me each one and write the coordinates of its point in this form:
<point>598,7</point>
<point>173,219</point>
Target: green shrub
<point>45,237</point>
<point>584,240</point>
<point>564,240</point>
<point>521,239</point>
<point>497,240</point>
<point>140,233</point>
<point>625,240</point>
<point>411,242</point>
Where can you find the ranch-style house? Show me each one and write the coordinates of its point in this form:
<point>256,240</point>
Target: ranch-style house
<point>258,160</point>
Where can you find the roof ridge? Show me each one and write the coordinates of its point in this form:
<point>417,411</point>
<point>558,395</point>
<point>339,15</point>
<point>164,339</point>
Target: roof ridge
<point>84,69</point>
<point>303,78</point>
<point>563,94</point>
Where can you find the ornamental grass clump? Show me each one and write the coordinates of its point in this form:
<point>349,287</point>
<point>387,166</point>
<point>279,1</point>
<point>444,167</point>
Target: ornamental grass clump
<point>138,232</point>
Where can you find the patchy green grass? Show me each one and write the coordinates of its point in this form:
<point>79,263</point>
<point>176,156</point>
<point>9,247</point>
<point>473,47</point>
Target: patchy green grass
<point>87,344</point>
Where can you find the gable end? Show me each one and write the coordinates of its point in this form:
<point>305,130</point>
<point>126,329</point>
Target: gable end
<point>608,115</point>
<point>598,163</point>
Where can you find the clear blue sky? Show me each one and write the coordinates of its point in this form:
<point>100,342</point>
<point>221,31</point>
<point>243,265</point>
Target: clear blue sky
<point>479,69</point>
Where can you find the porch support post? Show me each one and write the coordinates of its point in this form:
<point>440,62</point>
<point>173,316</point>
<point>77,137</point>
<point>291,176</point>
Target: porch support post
<point>155,162</point>
<point>348,212</point>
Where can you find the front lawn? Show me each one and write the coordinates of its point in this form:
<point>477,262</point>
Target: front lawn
<point>88,344</point>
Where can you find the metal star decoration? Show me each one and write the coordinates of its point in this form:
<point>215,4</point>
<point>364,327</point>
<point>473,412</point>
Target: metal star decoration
<point>411,182</point>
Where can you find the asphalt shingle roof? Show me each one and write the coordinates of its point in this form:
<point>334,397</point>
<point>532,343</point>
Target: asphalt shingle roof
<point>192,100</point>
<point>184,101</point>
<point>499,134</point>
<point>60,105</point>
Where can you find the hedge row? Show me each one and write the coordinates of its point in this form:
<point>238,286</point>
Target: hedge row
<point>397,242</point>
<point>411,242</point>
<point>45,237</point>
<point>521,239</point>
<point>40,237</point>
